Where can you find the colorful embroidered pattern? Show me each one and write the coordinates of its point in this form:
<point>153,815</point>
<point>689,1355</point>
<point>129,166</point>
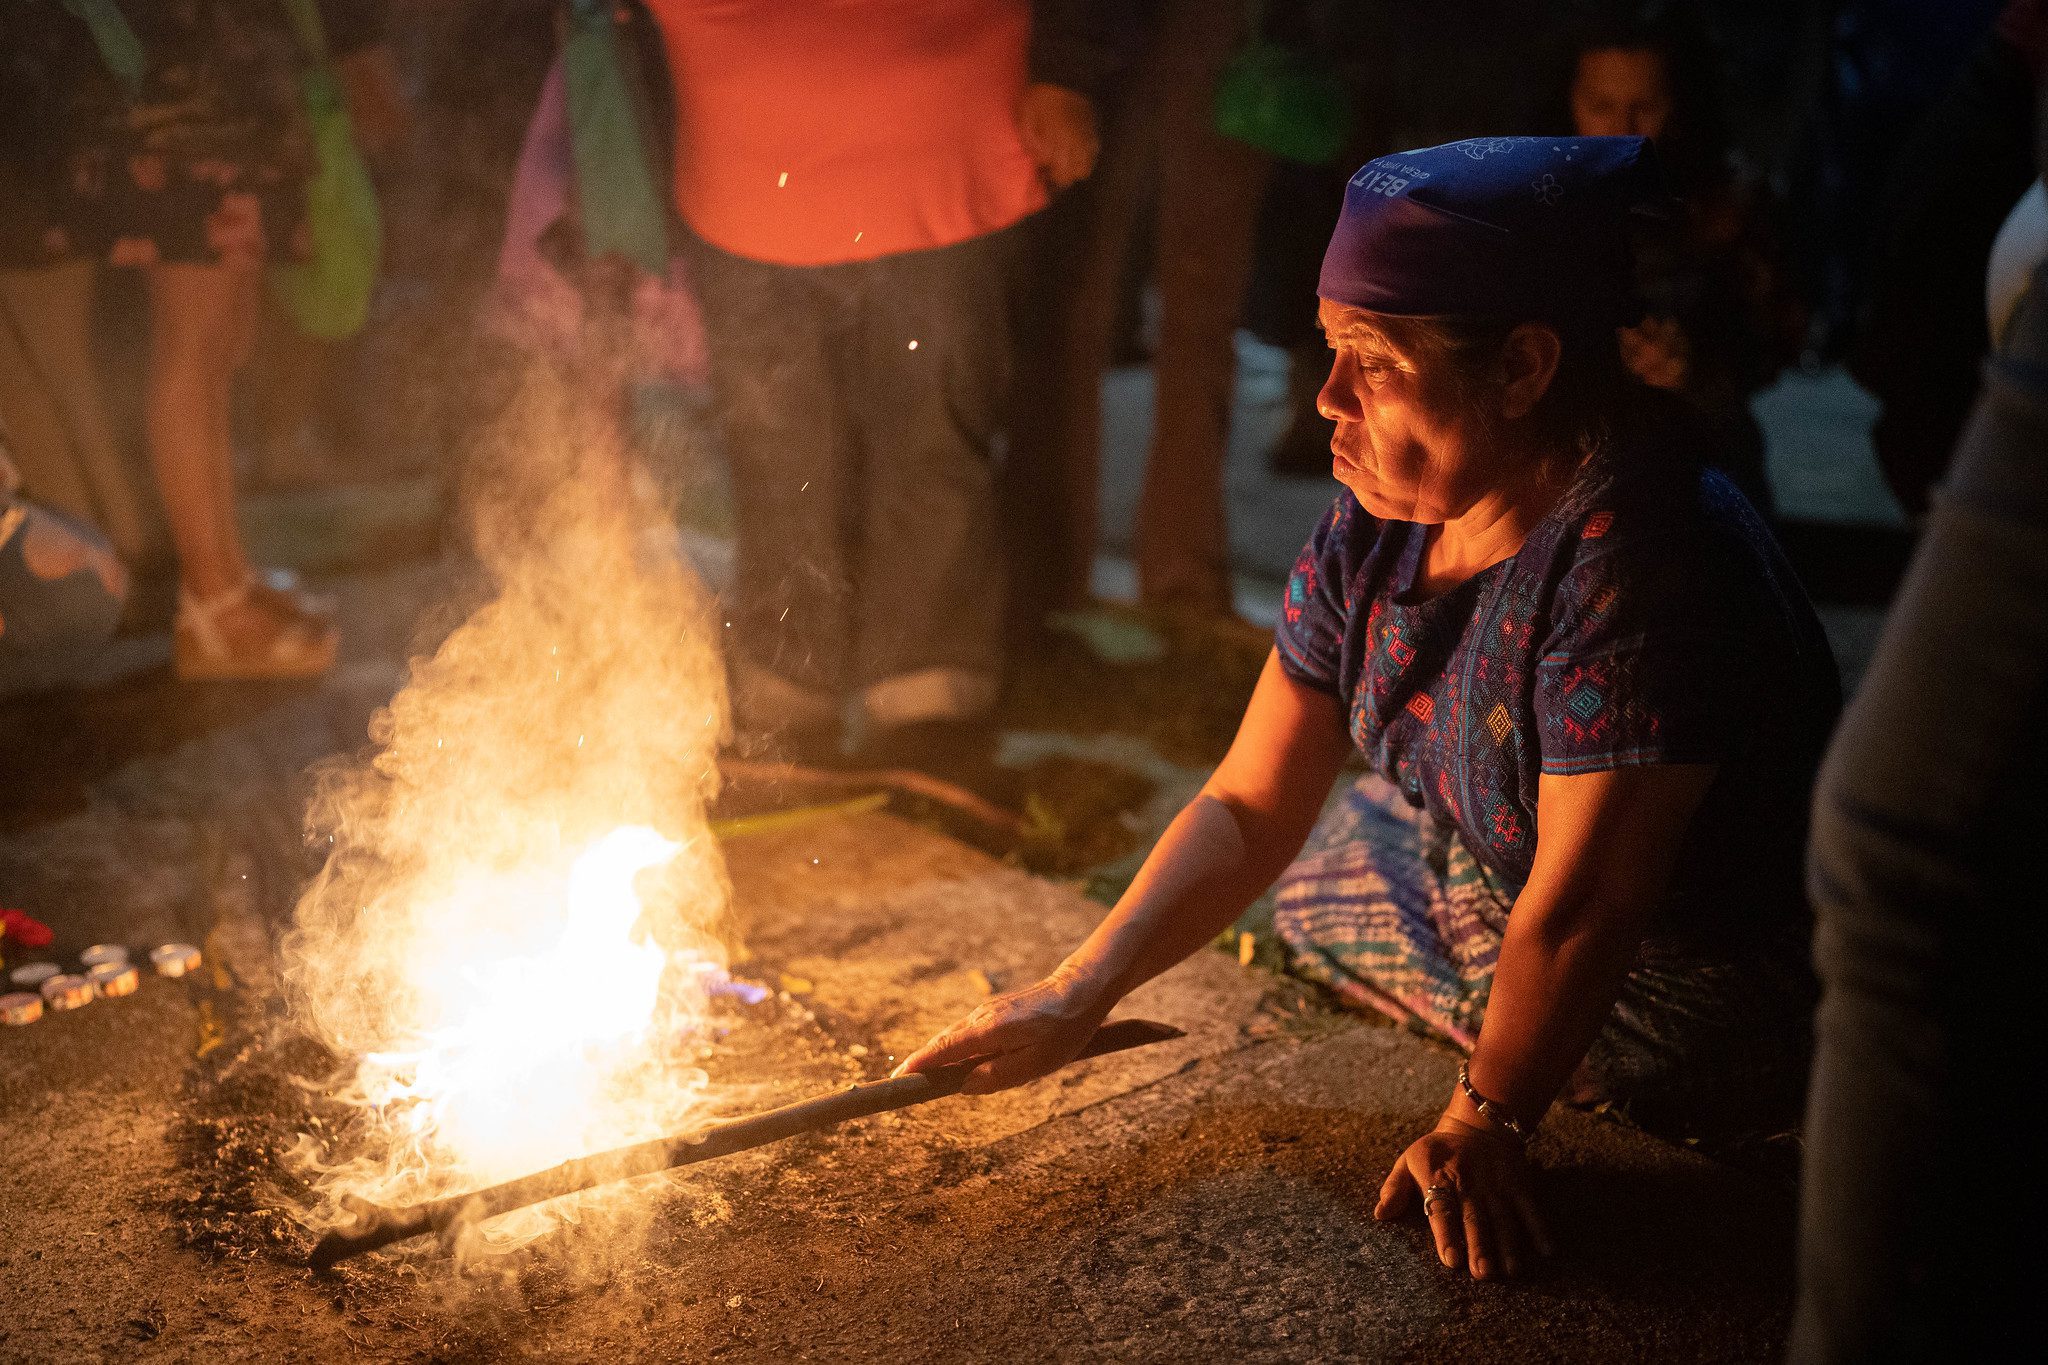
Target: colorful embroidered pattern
<point>1499,723</point>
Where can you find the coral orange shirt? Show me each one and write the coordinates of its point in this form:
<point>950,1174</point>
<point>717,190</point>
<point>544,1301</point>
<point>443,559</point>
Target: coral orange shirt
<point>812,132</point>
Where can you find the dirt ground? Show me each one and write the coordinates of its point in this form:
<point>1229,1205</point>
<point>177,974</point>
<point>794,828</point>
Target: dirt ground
<point>1207,1198</point>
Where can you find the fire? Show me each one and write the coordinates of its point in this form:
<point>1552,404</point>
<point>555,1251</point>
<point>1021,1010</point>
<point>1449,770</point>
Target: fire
<point>525,1055</point>
<point>512,936</point>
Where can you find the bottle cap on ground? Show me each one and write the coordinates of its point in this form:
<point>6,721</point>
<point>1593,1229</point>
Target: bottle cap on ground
<point>20,1008</point>
<point>174,959</point>
<point>102,953</point>
<point>33,974</point>
<point>115,978</point>
<point>67,992</point>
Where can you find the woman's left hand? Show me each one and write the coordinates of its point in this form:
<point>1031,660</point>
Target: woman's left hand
<point>1058,129</point>
<point>1474,1186</point>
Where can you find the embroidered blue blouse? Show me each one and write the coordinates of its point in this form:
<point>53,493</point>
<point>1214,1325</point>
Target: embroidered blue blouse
<point>1649,618</point>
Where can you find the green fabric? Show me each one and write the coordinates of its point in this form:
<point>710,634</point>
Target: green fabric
<point>622,210</point>
<point>1283,102</point>
<point>118,45</point>
<point>328,294</point>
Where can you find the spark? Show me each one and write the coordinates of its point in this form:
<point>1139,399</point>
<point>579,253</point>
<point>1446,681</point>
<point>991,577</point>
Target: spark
<point>579,741</point>
<point>782,180</point>
<point>856,236</point>
<point>913,345</point>
<point>784,616</point>
<point>806,487</point>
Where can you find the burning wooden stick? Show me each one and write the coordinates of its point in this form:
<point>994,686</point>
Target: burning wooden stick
<point>378,1227</point>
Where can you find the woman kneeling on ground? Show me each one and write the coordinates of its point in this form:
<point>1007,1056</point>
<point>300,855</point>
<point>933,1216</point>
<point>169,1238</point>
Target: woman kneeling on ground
<point>1589,689</point>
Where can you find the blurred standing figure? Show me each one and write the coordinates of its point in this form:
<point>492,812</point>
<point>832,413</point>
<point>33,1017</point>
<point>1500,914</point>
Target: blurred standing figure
<point>1719,325</point>
<point>187,160</point>
<point>1921,339</point>
<point>1923,865</point>
<point>853,171</point>
<point>50,393</point>
<point>1164,149</point>
<point>300,412</point>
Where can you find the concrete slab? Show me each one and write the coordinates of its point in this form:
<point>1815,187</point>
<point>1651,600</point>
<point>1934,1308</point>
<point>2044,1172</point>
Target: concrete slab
<point>1202,1199</point>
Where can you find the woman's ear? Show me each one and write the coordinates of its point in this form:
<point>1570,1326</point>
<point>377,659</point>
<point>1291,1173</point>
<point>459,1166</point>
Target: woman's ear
<point>1528,364</point>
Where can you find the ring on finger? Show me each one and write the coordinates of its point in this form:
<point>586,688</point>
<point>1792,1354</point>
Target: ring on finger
<point>1436,1194</point>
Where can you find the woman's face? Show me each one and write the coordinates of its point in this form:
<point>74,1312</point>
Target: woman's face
<point>1621,92</point>
<point>1400,446</point>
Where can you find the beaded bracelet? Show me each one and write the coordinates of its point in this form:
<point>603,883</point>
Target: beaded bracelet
<point>1492,1111</point>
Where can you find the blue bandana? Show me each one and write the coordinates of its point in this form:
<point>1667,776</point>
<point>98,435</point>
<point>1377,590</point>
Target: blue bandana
<point>1525,228</point>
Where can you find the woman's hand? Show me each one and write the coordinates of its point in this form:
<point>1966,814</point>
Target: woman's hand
<point>1025,1034</point>
<point>1479,1205</point>
<point>1058,129</point>
<point>1658,352</point>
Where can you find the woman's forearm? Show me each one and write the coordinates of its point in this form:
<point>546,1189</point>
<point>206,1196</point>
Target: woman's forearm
<point>1560,971</point>
<point>1605,851</point>
<point>1229,843</point>
<point>1211,863</point>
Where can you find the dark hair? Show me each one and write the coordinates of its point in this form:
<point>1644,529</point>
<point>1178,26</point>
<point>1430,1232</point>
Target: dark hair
<point>1460,361</point>
<point>1694,145</point>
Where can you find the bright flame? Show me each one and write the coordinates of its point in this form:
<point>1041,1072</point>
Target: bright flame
<point>512,1074</point>
<point>515,924</point>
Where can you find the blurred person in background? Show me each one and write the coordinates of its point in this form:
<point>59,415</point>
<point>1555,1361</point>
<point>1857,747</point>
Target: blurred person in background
<point>1923,869</point>
<point>61,590</point>
<point>186,159</point>
<point>1921,338</point>
<point>1721,323</point>
<point>590,275</point>
<point>444,202</point>
<point>300,415</point>
<point>51,396</point>
<point>853,175</point>
<point>1170,172</point>
<point>1879,66</point>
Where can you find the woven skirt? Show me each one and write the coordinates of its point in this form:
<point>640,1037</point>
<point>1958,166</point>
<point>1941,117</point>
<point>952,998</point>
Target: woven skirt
<point>1393,913</point>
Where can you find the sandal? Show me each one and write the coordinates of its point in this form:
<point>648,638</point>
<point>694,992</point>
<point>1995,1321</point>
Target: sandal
<point>285,592</point>
<point>299,645</point>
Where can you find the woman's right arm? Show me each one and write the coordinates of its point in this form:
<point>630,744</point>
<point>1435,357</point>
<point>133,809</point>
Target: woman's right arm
<point>1249,821</point>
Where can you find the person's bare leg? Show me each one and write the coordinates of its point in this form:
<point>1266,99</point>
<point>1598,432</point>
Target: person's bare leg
<point>245,302</point>
<point>1209,192</point>
<point>200,317</point>
<point>51,392</point>
<point>192,322</point>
